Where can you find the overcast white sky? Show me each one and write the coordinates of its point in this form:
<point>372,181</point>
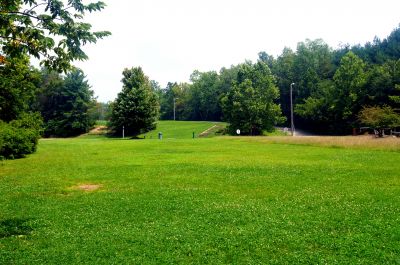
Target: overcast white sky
<point>170,39</point>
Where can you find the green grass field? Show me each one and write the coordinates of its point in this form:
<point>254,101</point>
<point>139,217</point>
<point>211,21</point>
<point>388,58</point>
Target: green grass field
<point>203,201</point>
<point>181,129</point>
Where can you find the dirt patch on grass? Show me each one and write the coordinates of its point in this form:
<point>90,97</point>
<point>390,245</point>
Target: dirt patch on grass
<point>87,187</point>
<point>99,130</point>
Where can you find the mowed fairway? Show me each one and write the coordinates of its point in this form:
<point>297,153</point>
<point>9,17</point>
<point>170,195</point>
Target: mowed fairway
<point>200,201</point>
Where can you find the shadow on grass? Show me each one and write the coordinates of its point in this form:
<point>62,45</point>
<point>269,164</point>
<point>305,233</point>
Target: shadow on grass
<point>15,227</point>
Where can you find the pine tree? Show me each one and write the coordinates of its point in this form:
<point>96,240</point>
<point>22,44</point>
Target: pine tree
<point>136,108</point>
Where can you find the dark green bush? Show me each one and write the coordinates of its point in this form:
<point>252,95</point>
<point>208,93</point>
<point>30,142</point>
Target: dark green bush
<point>20,137</point>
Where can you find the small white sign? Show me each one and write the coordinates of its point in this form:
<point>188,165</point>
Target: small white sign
<point>238,131</point>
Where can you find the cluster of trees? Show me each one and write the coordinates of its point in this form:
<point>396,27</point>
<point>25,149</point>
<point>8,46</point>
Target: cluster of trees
<point>65,103</point>
<point>245,95</point>
<point>333,88</point>
<point>249,103</point>
<point>19,128</point>
<point>53,32</point>
<point>41,102</point>
<point>334,91</point>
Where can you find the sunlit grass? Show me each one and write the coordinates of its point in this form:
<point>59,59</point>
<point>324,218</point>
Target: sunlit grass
<point>240,200</point>
<point>181,129</point>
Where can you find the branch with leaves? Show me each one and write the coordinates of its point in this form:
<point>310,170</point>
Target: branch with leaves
<point>50,30</point>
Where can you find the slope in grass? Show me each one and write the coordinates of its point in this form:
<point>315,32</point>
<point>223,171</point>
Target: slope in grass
<point>180,129</point>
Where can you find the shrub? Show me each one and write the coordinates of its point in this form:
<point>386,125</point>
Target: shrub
<point>379,117</point>
<point>20,137</point>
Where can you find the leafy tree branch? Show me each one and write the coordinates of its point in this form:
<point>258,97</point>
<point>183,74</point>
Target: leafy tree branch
<point>34,30</point>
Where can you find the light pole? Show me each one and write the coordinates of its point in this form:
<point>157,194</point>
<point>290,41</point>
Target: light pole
<point>291,108</point>
<point>175,106</point>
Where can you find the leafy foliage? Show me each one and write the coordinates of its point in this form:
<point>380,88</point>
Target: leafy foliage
<point>18,85</point>
<point>204,96</point>
<point>332,86</point>
<point>53,31</point>
<point>65,103</point>
<point>20,137</point>
<point>379,117</point>
<point>177,94</point>
<point>26,27</point>
<point>250,104</point>
<point>136,108</point>
<point>19,130</point>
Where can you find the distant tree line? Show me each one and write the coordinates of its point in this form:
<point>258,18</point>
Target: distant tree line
<point>245,95</point>
<point>333,88</point>
<point>65,102</point>
<point>334,91</point>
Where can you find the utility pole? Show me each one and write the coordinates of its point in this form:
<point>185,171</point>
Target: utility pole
<point>291,109</point>
<point>175,106</point>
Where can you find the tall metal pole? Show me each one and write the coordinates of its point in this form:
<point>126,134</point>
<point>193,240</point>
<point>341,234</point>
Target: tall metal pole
<point>174,107</point>
<point>291,108</point>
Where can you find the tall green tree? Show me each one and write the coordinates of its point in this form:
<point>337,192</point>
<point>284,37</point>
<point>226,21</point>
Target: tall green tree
<point>350,80</point>
<point>168,96</point>
<point>65,103</point>
<point>51,30</point>
<point>312,63</point>
<point>251,103</point>
<point>268,59</point>
<point>204,96</point>
<point>318,110</point>
<point>284,72</point>
<point>136,108</point>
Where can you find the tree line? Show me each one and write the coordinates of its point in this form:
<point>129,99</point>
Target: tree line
<point>334,90</point>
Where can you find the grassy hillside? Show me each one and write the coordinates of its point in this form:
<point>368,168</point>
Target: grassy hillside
<point>181,129</point>
<point>204,201</point>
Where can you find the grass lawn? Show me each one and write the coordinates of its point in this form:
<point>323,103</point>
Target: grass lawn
<point>181,129</point>
<point>203,201</point>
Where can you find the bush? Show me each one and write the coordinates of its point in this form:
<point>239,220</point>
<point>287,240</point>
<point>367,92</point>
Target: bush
<point>379,117</point>
<point>20,137</point>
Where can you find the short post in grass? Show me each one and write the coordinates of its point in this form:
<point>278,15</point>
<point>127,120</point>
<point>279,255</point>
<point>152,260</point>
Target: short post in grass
<point>160,135</point>
<point>123,132</point>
